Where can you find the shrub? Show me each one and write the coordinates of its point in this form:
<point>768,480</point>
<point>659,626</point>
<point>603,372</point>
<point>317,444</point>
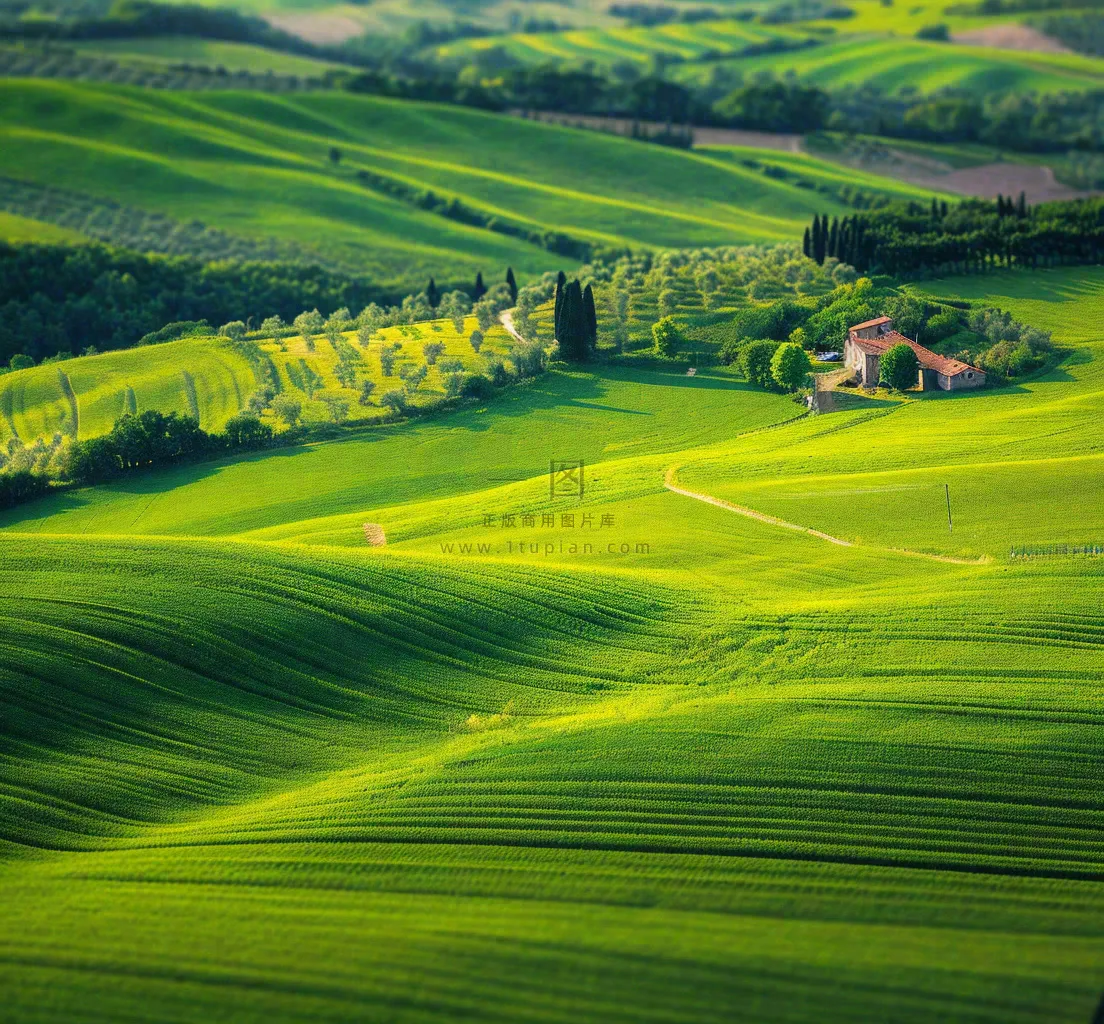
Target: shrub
<point>174,331</point>
<point>528,359</point>
<point>942,326</point>
<point>431,350</point>
<point>21,486</point>
<point>497,372</point>
<point>476,385</point>
<point>936,33</point>
<point>790,366</point>
<point>395,400</point>
<point>234,330</point>
<point>21,362</point>
<point>245,431</point>
<point>287,409</point>
<point>337,407</point>
<point>476,340</point>
<point>666,336</point>
<point>414,378</point>
<point>898,367</point>
<point>756,362</point>
<point>273,327</point>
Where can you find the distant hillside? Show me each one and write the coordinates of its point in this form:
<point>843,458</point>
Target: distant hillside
<point>260,166</point>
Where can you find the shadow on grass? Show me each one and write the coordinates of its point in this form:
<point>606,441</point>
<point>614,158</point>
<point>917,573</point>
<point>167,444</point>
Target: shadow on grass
<point>579,389</point>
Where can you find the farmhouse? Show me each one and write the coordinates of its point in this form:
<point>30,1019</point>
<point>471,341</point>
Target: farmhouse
<point>868,342</point>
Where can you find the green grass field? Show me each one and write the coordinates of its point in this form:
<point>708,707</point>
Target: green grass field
<point>210,53</point>
<point>34,403</point>
<point>257,165</point>
<point>14,228</point>
<point>893,65</point>
<point>705,769</point>
<point>634,44</point>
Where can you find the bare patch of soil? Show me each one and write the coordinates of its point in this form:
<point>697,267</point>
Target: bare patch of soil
<point>1038,183</point>
<point>318,28</point>
<point>702,136</point>
<point>1011,37</point>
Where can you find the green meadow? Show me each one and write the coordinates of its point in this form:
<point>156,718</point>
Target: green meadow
<point>893,65</point>
<point>257,165</point>
<point>662,761</point>
<point>208,52</point>
<point>636,44</point>
<point>84,397</point>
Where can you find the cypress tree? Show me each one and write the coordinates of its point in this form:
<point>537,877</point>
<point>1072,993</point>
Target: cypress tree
<point>807,244</point>
<point>480,288</point>
<point>833,238</point>
<point>819,240</point>
<point>561,282</point>
<point>512,282</point>
<point>573,335</point>
<point>1021,205</point>
<point>432,294</point>
<point>590,316</point>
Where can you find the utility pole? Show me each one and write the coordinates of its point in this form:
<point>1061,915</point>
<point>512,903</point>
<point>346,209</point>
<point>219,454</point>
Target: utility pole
<point>950,524</point>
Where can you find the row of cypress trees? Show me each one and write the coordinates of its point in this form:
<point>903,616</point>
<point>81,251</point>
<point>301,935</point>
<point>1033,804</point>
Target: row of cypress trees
<point>841,239</point>
<point>476,292</point>
<point>576,319</point>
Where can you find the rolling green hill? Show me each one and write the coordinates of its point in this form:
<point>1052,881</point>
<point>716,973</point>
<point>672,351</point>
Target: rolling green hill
<point>894,65</point>
<point>208,378</point>
<point>634,44</point>
<point>210,53</point>
<point>257,165</point>
<point>705,769</point>
<point>84,397</point>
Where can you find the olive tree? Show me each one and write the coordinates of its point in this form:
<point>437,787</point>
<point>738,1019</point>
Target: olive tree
<point>790,366</point>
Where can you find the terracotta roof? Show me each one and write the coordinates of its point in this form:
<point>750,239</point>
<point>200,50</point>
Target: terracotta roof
<point>872,323</point>
<point>924,356</point>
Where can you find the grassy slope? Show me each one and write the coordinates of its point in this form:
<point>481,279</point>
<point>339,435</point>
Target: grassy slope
<point>749,775</point>
<point>608,46</point>
<point>33,403</point>
<point>894,64</point>
<point>212,53</point>
<point>257,164</point>
<point>877,46</point>
<point>14,228</point>
<point>36,402</point>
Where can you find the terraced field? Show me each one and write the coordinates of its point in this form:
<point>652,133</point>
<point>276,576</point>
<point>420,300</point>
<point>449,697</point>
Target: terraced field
<point>893,64</point>
<point>209,379</point>
<point>664,763</point>
<point>84,397</point>
<point>635,44</point>
<point>257,165</point>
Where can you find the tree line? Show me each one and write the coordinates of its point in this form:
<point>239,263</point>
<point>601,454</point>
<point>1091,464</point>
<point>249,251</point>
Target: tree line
<point>969,237</point>
<point>136,442</point>
<point>68,299</point>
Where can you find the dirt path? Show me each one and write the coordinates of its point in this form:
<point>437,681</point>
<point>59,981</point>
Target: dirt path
<point>1011,36</point>
<point>668,482</point>
<point>507,318</point>
<point>762,517</point>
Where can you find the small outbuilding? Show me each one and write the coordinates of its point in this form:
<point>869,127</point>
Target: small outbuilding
<point>868,342</point>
